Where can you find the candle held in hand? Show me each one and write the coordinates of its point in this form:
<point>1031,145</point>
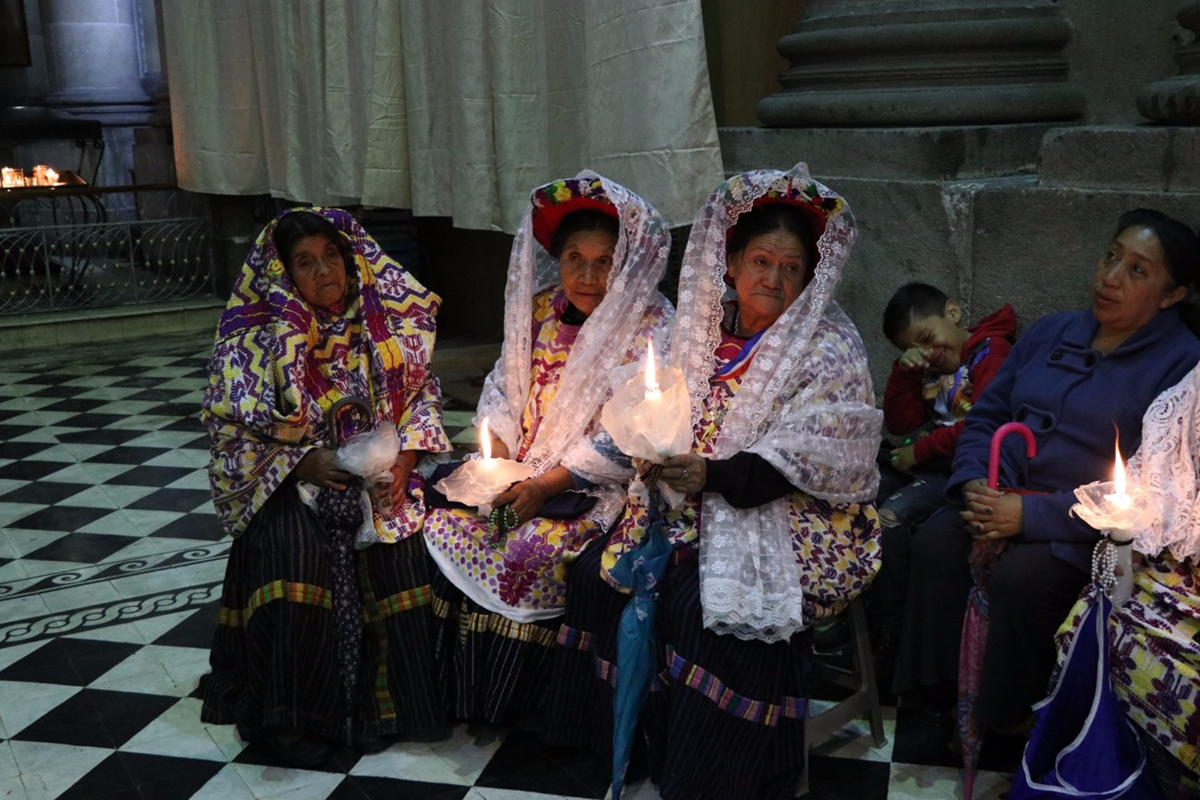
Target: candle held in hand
<point>477,481</point>
<point>652,390</point>
<point>1119,498</point>
<point>485,441</point>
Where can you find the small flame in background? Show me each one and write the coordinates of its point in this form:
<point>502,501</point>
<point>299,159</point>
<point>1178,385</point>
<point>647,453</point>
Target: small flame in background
<point>15,177</point>
<point>485,440</point>
<point>651,374</point>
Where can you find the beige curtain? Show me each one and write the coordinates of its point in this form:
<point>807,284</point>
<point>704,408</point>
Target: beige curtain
<point>448,107</point>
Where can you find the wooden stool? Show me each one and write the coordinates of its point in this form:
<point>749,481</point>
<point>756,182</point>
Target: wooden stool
<point>864,702</point>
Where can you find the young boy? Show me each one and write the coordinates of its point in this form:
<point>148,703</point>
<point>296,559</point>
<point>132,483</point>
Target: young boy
<point>943,368</point>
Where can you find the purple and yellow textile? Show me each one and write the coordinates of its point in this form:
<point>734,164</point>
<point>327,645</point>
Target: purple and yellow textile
<point>279,365</point>
<point>836,546</point>
<point>525,578</point>
<point>1155,654</point>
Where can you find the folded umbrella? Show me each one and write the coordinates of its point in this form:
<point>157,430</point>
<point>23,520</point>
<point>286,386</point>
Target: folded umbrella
<point>641,569</point>
<point>975,621</point>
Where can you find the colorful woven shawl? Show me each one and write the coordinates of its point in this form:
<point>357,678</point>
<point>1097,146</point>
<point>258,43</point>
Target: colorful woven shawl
<point>279,365</point>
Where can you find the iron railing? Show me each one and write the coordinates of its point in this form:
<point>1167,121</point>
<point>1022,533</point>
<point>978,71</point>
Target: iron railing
<point>85,247</point>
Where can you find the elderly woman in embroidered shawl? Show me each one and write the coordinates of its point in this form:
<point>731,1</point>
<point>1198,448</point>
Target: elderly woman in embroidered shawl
<point>581,300</point>
<point>777,529</point>
<point>1155,635</point>
<point>319,313</point>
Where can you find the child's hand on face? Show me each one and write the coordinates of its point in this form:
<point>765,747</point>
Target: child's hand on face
<point>914,358</point>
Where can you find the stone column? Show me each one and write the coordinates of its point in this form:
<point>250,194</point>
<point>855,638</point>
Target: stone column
<point>898,63</point>
<point>1177,100</point>
<point>92,54</point>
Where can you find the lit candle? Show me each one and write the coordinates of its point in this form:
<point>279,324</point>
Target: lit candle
<point>1119,498</point>
<point>478,481</point>
<point>485,442</point>
<point>652,390</point>
<point>51,177</point>
<point>7,177</point>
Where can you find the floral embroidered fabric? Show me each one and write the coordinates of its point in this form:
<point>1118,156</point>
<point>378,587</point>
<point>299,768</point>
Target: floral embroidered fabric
<point>1155,661</point>
<point>804,404</point>
<point>544,394</point>
<point>279,365</point>
<point>832,550</point>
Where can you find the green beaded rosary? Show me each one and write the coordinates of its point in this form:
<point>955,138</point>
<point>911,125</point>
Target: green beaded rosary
<point>502,520</point>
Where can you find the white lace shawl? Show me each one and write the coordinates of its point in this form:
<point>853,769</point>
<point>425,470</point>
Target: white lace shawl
<point>1168,464</point>
<point>632,302</point>
<point>805,405</point>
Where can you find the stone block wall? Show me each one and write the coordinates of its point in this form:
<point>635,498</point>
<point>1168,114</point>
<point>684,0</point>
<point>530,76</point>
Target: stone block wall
<point>993,153</point>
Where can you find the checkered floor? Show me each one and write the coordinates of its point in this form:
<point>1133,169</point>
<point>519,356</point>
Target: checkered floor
<point>111,562</point>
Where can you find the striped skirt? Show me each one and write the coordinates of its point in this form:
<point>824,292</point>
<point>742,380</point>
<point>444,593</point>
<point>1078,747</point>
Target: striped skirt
<point>724,718</point>
<point>734,716</point>
<point>489,668</point>
<point>274,657</point>
<point>579,704</point>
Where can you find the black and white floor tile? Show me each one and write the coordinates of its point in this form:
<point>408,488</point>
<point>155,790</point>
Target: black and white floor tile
<point>111,562</point>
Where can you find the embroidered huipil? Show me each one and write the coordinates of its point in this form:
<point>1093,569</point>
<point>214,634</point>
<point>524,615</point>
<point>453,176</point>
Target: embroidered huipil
<point>836,546</point>
<point>524,579</point>
<point>279,366</point>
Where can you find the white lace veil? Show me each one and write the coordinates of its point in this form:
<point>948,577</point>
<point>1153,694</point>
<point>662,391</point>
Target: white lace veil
<point>805,405</point>
<point>640,259</point>
<point>1168,464</point>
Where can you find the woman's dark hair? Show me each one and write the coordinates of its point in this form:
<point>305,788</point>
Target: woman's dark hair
<point>292,228</point>
<point>768,218</point>
<point>586,219</point>
<point>911,302</point>
<point>1179,242</point>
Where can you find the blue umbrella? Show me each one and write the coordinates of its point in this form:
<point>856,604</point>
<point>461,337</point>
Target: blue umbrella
<point>1082,745</point>
<point>640,569</point>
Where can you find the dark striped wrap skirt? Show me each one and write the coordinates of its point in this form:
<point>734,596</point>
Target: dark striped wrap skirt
<point>274,657</point>
<point>724,717</point>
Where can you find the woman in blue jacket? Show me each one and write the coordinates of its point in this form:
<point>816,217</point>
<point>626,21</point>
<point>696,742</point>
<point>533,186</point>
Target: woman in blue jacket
<point>1070,378</point>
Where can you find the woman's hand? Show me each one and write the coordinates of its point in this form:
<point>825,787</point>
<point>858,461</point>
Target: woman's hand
<point>972,486</point>
<point>405,462</point>
<point>526,498</point>
<point>499,448</point>
<point>991,514</point>
<point>685,474</point>
<point>316,467</point>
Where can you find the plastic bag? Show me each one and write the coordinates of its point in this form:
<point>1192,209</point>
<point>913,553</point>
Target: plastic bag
<point>479,480</point>
<point>651,428</point>
<point>371,452</point>
<point>367,534</point>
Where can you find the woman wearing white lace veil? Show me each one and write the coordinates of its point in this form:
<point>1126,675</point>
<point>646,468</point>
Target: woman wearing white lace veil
<point>777,529</point>
<point>1155,635</point>
<point>581,300</point>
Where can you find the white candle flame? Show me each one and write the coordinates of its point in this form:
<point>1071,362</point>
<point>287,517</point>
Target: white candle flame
<point>1119,472</point>
<point>485,440</point>
<point>51,177</point>
<point>651,376</point>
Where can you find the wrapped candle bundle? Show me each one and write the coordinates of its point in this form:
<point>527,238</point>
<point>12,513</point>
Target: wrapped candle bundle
<point>479,480</point>
<point>1108,506</point>
<point>649,416</point>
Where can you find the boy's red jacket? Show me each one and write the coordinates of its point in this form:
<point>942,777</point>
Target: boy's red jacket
<point>904,408</point>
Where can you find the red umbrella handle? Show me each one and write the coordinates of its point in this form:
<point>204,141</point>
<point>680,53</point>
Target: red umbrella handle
<point>997,438</point>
